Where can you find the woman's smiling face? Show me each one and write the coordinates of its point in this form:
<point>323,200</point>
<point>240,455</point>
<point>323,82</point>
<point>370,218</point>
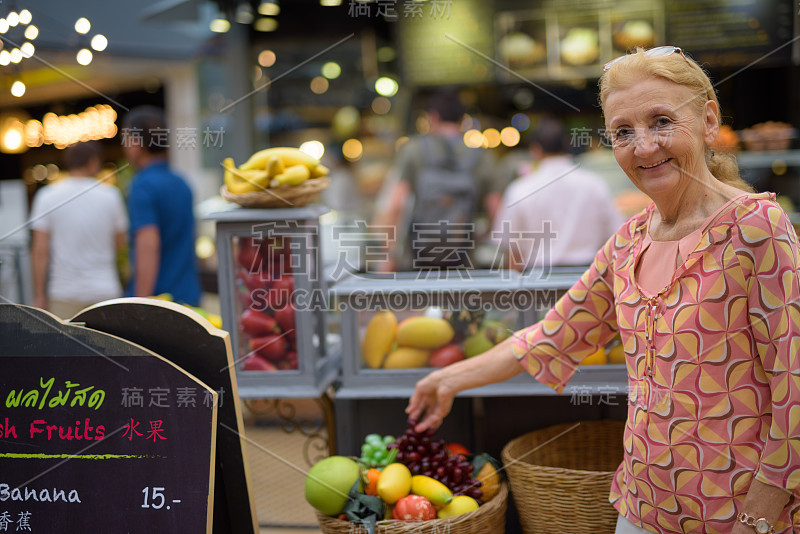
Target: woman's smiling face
<point>659,136</point>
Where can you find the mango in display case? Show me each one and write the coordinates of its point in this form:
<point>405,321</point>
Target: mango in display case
<point>429,338</point>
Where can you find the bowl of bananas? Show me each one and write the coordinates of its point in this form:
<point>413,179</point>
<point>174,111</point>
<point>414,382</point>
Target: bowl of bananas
<point>278,177</point>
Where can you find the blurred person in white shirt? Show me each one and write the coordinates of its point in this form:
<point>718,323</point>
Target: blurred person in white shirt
<point>560,213</point>
<point>79,224</point>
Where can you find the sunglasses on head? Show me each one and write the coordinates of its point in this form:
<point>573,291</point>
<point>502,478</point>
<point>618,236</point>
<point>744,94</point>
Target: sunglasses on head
<point>659,51</point>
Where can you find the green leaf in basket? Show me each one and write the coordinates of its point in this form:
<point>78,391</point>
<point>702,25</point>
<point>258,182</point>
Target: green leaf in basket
<point>364,509</point>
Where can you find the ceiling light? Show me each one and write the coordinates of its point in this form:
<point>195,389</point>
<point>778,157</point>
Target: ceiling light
<point>12,18</point>
<point>82,25</point>
<point>331,70</point>
<point>18,89</point>
<point>84,56</point>
<point>385,86</point>
<point>3,25</point>
<point>266,24</point>
<point>315,149</point>
<point>27,49</point>
<point>99,42</point>
<point>330,3</point>
<point>220,24</point>
<point>266,58</point>
<point>269,8</point>
<point>5,58</point>
<point>16,55</point>
<point>31,32</point>
<point>25,17</point>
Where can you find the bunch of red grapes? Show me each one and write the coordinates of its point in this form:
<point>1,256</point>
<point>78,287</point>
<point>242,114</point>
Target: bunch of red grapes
<point>425,456</point>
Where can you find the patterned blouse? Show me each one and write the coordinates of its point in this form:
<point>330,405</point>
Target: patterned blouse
<point>713,365</point>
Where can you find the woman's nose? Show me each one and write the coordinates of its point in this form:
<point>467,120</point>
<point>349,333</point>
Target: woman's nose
<point>645,142</point>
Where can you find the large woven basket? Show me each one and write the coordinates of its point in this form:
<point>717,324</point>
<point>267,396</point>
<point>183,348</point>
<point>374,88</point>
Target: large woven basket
<point>280,197</point>
<point>560,477</point>
<point>488,519</point>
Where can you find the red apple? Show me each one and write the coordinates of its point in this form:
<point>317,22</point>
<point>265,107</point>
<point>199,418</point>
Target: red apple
<point>446,355</point>
<point>272,347</point>
<point>255,362</point>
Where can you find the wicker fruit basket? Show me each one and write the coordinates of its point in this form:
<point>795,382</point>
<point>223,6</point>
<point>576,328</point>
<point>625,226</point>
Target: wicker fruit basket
<point>280,197</point>
<point>561,475</point>
<point>488,519</point>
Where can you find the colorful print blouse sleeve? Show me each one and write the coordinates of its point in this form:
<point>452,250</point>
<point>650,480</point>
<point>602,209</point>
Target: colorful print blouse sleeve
<point>713,365</point>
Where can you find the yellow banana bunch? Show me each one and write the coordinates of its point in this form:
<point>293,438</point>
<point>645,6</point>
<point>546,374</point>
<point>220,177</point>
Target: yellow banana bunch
<point>239,181</point>
<point>272,167</point>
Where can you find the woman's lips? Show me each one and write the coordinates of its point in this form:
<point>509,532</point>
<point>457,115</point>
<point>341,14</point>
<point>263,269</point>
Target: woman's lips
<point>656,164</point>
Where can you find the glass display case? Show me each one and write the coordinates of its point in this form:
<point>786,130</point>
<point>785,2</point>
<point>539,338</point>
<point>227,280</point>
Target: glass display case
<point>395,330</point>
<point>273,300</point>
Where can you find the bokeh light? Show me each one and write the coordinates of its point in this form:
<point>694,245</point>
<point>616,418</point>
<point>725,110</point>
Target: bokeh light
<point>99,42</point>
<point>352,149</point>
<point>381,105</point>
<point>331,70</point>
<point>473,138</point>
<point>82,25</point>
<point>315,149</point>
<point>386,86</point>
<point>319,84</point>
<point>509,136</point>
<point>491,137</point>
<point>267,58</point>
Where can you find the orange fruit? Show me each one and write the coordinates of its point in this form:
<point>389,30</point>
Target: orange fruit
<point>456,448</point>
<point>372,482</point>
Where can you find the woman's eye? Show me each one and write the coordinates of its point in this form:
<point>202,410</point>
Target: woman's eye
<point>623,135</point>
<point>663,121</point>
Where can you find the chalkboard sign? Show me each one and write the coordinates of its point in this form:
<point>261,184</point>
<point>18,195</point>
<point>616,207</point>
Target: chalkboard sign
<point>99,434</point>
<point>186,339</point>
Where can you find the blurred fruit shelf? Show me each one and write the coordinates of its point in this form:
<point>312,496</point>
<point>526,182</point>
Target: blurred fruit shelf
<point>758,160</point>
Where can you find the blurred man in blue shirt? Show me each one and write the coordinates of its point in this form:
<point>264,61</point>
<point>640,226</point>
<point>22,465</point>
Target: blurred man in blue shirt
<point>161,214</point>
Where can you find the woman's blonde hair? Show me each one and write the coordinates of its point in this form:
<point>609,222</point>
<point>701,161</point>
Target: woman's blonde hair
<point>686,72</point>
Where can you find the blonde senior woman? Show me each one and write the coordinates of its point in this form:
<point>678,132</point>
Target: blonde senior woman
<point>703,288</point>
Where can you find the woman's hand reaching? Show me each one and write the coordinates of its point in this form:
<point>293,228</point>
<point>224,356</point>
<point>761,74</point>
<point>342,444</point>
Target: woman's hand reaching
<point>433,396</point>
<point>431,402</point>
